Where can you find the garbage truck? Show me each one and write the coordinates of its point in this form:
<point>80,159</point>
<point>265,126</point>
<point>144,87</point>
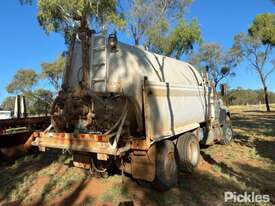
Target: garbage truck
<point>124,107</point>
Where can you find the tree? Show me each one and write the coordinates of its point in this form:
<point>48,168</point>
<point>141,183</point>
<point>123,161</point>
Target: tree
<point>259,57</point>
<point>242,96</point>
<point>8,103</point>
<point>66,15</point>
<point>149,20</point>
<point>41,101</point>
<point>144,15</point>
<point>176,42</point>
<point>263,27</point>
<point>219,63</point>
<point>53,72</point>
<point>161,26</point>
<point>38,101</point>
<point>23,81</point>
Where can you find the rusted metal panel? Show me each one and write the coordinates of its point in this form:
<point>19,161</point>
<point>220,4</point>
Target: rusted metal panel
<point>76,142</point>
<point>141,144</point>
<point>30,122</point>
<point>144,164</point>
<point>15,145</point>
<point>16,135</point>
<point>10,140</point>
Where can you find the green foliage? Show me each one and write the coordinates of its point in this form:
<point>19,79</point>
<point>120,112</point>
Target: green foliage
<point>263,27</point>
<point>8,103</point>
<point>23,81</point>
<point>258,54</point>
<point>218,62</point>
<point>176,42</point>
<point>242,96</point>
<point>40,101</point>
<point>256,48</point>
<point>53,72</point>
<point>115,193</point>
<point>65,15</point>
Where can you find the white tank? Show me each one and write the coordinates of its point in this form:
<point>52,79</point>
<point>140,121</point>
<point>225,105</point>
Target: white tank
<point>168,95</point>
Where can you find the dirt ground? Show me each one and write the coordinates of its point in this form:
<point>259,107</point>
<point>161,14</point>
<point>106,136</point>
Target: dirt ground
<point>248,164</point>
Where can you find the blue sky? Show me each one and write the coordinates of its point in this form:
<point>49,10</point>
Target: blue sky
<point>23,43</point>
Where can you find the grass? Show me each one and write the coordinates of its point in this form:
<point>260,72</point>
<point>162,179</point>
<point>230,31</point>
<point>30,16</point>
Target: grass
<point>217,168</point>
<point>19,179</point>
<point>160,199</point>
<point>115,194</point>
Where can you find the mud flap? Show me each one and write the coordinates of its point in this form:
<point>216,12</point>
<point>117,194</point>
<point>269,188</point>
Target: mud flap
<point>213,135</point>
<point>144,164</point>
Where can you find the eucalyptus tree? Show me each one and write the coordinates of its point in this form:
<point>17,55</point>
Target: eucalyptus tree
<point>53,71</point>
<point>257,47</point>
<point>218,63</point>
<point>160,26</point>
<point>22,82</point>
<point>143,15</point>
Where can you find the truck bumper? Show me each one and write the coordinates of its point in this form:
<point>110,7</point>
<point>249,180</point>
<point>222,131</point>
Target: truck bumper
<point>77,142</point>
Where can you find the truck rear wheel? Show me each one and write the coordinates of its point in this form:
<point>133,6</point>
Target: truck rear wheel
<point>188,152</point>
<point>166,166</point>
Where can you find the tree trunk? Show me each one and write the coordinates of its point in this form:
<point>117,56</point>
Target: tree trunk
<point>266,99</point>
<point>136,41</point>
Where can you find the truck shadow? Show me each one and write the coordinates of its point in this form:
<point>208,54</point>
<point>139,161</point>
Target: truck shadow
<point>200,188</point>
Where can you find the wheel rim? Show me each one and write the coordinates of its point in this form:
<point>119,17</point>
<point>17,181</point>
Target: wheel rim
<point>193,152</point>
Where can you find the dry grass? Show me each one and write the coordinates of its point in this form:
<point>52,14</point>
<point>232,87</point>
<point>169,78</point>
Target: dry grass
<point>248,164</point>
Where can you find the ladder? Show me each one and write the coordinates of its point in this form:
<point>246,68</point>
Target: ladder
<point>98,61</point>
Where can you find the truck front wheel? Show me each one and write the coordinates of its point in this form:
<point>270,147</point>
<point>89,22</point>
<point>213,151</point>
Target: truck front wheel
<point>227,131</point>
<point>188,152</point>
<point>166,166</point>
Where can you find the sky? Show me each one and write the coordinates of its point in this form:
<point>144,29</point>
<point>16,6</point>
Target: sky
<point>23,43</point>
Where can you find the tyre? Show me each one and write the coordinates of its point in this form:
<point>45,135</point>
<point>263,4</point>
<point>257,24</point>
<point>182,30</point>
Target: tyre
<point>227,132</point>
<point>166,166</point>
<point>188,152</point>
